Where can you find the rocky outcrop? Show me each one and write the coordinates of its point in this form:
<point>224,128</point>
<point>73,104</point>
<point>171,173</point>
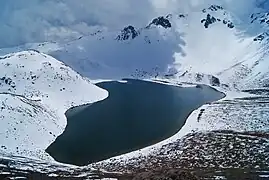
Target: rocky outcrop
<point>213,8</point>
<point>127,33</point>
<point>262,19</point>
<point>211,19</point>
<point>161,21</point>
<point>130,31</point>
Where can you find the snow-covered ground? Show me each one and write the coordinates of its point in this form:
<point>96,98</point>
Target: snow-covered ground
<point>192,125</point>
<point>35,92</point>
<point>198,43</point>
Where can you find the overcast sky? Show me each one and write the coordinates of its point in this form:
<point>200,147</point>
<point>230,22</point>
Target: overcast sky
<point>38,20</point>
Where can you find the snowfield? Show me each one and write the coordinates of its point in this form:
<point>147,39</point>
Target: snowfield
<point>35,92</point>
<point>223,45</point>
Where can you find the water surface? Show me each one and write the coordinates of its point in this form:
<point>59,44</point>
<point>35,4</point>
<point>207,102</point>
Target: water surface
<point>135,115</point>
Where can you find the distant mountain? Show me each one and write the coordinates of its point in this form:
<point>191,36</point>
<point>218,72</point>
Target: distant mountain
<point>213,44</point>
<point>211,41</point>
<point>219,19</point>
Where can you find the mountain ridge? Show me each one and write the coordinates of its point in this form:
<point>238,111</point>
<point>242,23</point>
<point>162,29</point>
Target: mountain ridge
<point>35,92</point>
<point>168,49</point>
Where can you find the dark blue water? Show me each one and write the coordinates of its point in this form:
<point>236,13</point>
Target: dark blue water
<point>135,115</point>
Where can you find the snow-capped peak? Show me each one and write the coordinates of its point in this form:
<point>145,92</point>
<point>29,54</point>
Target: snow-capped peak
<point>128,32</point>
<point>213,41</point>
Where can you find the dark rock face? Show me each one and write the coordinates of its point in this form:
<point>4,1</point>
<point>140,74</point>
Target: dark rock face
<point>230,25</point>
<point>209,20</point>
<point>128,32</point>
<point>260,37</point>
<point>161,21</point>
<point>213,8</point>
<point>263,19</point>
<point>214,81</point>
<point>7,81</point>
<point>199,77</point>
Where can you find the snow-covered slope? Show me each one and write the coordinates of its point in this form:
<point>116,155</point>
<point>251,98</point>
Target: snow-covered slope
<point>35,92</point>
<point>209,40</point>
<point>208,43</point>
<point>223,44</point>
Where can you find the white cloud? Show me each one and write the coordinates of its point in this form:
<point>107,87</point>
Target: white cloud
<point>55,20</point>
<point>36,20</point>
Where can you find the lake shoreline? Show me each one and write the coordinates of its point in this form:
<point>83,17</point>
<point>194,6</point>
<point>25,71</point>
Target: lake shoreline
<point>162,101</point>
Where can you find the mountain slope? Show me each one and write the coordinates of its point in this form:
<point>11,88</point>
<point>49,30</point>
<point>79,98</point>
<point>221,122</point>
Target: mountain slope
<point>207,41</point>
<point>223,45</point>
<point>205,45</point>
<point>35,92</point>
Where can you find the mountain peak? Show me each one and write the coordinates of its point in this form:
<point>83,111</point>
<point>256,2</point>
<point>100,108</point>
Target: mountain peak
<point>161,21</point>
<point>213,8</point>
<point>128,32</point>
<point>220,17</point>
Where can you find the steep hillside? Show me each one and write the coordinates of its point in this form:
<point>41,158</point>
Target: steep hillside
<point>35,92</point>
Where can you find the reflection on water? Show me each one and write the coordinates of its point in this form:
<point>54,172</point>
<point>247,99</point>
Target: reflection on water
<point>136,114</point>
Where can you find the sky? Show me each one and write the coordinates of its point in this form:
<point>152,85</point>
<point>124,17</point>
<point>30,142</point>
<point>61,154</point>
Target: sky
<point>189,45</point>
<point>38,20</point>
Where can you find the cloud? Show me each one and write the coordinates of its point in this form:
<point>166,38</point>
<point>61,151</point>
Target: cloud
<point>37,20</point>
